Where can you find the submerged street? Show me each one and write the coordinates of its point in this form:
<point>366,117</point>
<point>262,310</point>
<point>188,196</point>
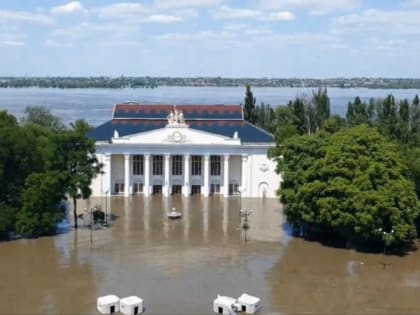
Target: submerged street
<point>179,266</point>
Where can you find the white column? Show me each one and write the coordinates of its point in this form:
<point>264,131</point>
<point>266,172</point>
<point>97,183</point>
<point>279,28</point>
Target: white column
<point>186,175</point>
<point>166,183</point>
<point>146,188</point>
<point>226,176</point>
<point>107,185</point>
<point>206,175</point>
<point>127,175</point>
<point>244,177</point>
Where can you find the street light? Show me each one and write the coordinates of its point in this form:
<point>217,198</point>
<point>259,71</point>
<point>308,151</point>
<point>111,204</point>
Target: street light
<point>384,239</point>
<point>91,224</point>
<point>240,190</point>
<point>106,207</point>
<point>244,213</point>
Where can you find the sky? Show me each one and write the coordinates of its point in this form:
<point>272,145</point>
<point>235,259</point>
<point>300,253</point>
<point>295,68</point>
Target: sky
<point>227,38</point>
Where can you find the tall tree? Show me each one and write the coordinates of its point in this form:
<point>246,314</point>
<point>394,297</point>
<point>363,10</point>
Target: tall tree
<point>249,106</point>
<point>357,113</point>
<point>74,156</point>
<point>321,103</point>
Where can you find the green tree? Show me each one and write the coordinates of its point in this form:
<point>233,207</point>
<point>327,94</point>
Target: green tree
<point>350,185</point>
<point>41,210</point>
<point>42,116</point>
<point>74,157</point>
<point>249,106</point>
<point>321,103</point>
<point>357,113</point>
<point>7,220</point>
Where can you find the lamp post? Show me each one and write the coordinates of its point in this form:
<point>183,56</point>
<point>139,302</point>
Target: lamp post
<point>106,207</point>
<point>240,190</point>
<point>384,239</point>
<point>91,225</point>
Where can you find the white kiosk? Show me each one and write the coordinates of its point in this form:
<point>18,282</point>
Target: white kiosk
<point>108,304</point>
<point>131,305</point>
<point>249,304</point>
<point>225,305</point>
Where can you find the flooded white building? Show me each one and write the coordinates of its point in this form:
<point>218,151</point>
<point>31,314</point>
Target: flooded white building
<point>185,149</point>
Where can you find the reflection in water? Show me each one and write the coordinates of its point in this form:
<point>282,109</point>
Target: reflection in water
<point>185,263</point>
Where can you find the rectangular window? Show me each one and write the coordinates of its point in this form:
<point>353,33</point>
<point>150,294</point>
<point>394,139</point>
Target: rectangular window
<point>215,165</point>
<point>157,164</point>
<point>137,188</point>
<point>137,164</point>
<point>233,189</point>
<point>196,165</point>
<point>119,188</point>
<point>177,165</point>
<point>215,188</point>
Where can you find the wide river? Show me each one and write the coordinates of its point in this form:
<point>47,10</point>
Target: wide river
<point>179,266</point>
<point>95,105</point>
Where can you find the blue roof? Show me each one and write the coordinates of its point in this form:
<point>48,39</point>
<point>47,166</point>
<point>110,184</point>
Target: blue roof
<point>191,112</point>
<point>247,132</point>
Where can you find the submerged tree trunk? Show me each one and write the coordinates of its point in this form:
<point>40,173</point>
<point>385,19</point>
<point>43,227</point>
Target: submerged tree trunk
<point>75,212</point>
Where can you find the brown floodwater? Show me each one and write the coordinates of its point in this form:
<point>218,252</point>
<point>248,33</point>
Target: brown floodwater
<point>179,266</point>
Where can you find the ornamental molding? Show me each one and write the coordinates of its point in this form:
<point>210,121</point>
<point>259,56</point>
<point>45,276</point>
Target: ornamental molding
<point>176,137</point>
<point>264,168</point>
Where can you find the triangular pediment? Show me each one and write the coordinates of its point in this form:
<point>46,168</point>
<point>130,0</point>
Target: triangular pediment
<point>176,135</point>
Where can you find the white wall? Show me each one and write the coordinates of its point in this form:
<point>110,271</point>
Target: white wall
<point>262,176</point>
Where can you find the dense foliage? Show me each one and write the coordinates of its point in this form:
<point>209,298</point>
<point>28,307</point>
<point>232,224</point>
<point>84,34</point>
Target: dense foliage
<point>355,179</point>
<point>41,163</point>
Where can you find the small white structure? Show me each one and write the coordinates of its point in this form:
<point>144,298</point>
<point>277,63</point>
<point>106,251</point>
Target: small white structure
<point>131,305</point>
<point>174,214</point>
<point>108,304</point>
<point>249,304</point>
<point>225,305</point>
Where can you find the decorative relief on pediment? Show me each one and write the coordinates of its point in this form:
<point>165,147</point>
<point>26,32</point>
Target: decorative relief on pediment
<point>176,137</point>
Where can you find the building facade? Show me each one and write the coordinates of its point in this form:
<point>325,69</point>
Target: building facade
<point>185,149</point>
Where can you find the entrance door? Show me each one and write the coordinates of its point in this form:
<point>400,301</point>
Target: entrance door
<point>157,189</point>
<point>136,310</point>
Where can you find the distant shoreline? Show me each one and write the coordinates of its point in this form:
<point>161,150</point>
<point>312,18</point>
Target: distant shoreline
<point>155,82</point>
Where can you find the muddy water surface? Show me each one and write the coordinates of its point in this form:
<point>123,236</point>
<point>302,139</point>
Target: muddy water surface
<point>179,266</point>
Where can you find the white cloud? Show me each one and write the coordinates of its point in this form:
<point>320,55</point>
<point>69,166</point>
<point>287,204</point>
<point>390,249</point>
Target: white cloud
<point>229,13</point>
<point>411,4</point>
<point>53,43</point>
<point>87,29</point>
<point>235,27</point>
<point>21,17</point>
<point>390,22</point>
<point>203,36</point>
<point>13,43</point>
<point>170,4</point>
<point>280,16</point>
<point>314,7</point>
<point>74,7</point>
<point>123,11</point>
<point>226,12</point>
<point>161,18</point>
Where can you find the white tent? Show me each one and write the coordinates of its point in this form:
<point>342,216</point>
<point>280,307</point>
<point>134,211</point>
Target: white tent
<point>225,305</point>
<point>108,304</point>
<point>249,304</point>
<point>131,305</point>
